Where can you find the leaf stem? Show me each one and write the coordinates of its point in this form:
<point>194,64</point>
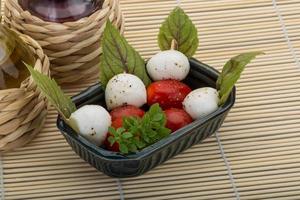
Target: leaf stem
<point>174,45</point>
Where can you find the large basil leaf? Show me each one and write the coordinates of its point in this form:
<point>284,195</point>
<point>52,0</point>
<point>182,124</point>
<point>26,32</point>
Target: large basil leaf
<point>231,73</point>
<point>180,28</point>
<point>119,57</point>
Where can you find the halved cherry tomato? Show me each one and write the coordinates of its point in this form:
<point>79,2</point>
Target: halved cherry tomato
<point>167,93</point>
<point>177,118</point>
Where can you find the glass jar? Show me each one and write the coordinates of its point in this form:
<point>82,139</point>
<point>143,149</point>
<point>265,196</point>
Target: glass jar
<point>13,53</point>
<point>61,10</point>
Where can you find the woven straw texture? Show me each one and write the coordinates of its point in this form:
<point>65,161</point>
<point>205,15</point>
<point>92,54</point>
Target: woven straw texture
<point>255,155</point>
<point>72,47</point>
<point>23,110</point>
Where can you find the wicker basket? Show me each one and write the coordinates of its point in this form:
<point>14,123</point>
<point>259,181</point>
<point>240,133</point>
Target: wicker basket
<point>23,110</point>
<point>72,47</point>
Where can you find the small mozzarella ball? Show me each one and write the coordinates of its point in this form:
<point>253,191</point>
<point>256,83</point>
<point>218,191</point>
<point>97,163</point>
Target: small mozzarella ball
<point>91,122</point>
<point>170,64</point>
<point>201,102</point>
<point>125,89</point>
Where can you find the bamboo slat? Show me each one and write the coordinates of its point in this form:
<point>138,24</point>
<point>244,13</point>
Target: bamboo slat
<point>260,136</point>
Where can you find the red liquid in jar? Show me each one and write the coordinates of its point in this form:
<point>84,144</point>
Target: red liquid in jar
<point>61,10</point>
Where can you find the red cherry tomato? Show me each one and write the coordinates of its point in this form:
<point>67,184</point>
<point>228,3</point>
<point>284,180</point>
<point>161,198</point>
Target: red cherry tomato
<point>177,118</point>
<point>126,111</point>
<point>117,123</point>
<point>114,147</point>
<point>167,93</point>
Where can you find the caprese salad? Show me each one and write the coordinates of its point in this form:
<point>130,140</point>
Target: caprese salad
<point>145,101</point>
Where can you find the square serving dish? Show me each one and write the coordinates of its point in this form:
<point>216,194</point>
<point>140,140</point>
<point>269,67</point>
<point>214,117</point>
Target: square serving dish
<point>117,165</point>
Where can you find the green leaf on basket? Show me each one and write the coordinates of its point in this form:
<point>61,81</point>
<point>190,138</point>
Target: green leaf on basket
<point>180,28</point>
<point>231,73</point>
<point>53,93</point>
<point>119,56</point>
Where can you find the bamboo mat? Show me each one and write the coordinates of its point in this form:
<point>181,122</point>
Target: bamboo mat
<point>255,155</point>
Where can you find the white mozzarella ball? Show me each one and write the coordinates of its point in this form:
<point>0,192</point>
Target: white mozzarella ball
<point>91,122</point>
<point>201,102</point>
<point>170,64</point>
<point>125,89</point>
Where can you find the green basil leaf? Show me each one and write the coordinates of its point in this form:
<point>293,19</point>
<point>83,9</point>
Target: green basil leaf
<point>128,122</point>
<point>118,57</point>
<point>151,133</point>
<point>154,109</point>
<point>120,131</point>
<point>111,140</point>
<point>132,148</point>
<point>146,121</point>
<point>140,144</point>
<point>156,125</point>
<point>53,93</point>
<point>127,135</point>
<point>112,130</point>
<point>123,148</point>
<point>133,129</point>
<point>231,73</point>
<point>146,138</point>
<point>180,28</point>
<point>164,132</point>
<point>158,117</point>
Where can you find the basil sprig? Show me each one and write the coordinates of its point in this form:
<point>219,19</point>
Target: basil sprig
<point>179,27</point>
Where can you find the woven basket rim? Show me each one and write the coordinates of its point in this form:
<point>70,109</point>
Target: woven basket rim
<point>72,47</point>
<point>36,45</point>
<point>25,109</point>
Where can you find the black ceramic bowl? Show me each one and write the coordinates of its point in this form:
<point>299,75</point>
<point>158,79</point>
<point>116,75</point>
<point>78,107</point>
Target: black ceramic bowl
<point>116,165</point>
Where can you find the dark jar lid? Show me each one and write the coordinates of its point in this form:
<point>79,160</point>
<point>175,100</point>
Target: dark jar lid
<point>61,10</point>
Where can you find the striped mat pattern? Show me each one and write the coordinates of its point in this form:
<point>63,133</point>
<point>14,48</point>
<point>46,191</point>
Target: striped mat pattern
<point>255,155</point>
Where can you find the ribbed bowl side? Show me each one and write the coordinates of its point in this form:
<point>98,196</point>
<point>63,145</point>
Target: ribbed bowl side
<point>86,155</point>
<point>190,139</point>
